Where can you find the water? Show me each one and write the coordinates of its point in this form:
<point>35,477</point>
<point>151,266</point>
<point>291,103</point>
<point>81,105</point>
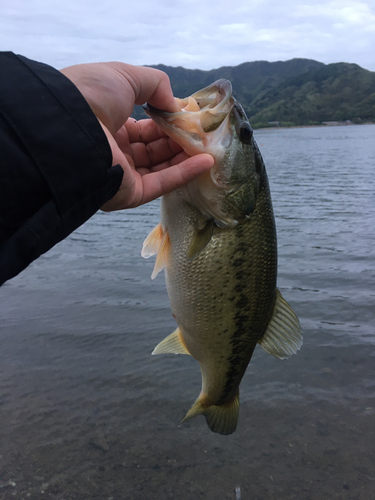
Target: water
<point>87,413</point>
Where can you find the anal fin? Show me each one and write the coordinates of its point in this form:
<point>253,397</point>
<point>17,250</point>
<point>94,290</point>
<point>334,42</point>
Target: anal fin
<point>221,418</point>
<point>173,344</point>
<point>283,336</point>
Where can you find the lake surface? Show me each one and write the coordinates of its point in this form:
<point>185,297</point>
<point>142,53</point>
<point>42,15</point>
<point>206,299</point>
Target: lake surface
<point>87,413</point>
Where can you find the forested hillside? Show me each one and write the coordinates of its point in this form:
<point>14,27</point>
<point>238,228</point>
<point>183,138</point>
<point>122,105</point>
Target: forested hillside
<point>295,92</point>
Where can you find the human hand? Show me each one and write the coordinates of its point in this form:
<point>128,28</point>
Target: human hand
<point>153,164</point>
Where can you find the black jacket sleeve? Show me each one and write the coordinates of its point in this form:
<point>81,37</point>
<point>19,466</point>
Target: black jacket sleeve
<point>55,161</point>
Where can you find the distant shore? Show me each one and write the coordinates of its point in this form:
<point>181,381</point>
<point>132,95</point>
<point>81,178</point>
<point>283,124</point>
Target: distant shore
<point>283,127</point>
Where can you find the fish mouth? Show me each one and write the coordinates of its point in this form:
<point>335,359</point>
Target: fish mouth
<point>202,125</point>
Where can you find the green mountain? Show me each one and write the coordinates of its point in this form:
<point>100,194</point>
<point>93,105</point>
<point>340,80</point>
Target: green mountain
<point>335,92</point>
<point>294,92</point>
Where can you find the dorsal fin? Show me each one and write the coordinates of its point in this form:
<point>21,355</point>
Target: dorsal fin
<point>173,344</point>
<point>283,336</point>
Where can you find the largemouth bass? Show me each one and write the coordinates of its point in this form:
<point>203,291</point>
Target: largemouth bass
<point>217,243</point>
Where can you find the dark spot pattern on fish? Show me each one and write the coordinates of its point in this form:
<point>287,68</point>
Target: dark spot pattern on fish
<point>252,293</point>
<point>243,301</point>
<point>236,370</point>
<point>239,348</point>
<point>224,296</point>
<point>237,262</point>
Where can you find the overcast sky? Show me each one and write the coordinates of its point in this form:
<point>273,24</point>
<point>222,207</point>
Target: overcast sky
<point>203,34</point>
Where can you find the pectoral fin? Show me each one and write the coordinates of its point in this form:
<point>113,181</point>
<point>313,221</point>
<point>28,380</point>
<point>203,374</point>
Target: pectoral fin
<point>173,344</point>
<point>153,241</point>
<point>283,336</point>
<point>157,242</point>
<point>201,239</point>
<point>162,256</point>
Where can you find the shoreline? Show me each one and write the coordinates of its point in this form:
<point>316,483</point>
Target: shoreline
<point>314,126</point>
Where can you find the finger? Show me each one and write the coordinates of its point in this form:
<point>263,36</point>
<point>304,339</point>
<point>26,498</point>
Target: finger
<point>111,89</point>
<point>149,85</point>
<point>143,130</point>
<point>178,158</point>
<point>156,89</point>
<point>133,139</point>
<point>164,181</point>
<point>120,147</point>
<point>151,155</point>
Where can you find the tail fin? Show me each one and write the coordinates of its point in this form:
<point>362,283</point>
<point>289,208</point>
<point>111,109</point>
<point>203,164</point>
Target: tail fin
<point>220,418</point>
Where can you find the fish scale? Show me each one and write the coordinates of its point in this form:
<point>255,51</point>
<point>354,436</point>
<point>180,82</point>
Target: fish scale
<point>217,244</point>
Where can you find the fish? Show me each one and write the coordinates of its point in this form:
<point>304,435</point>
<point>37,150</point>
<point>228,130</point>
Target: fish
<point>216,242</point>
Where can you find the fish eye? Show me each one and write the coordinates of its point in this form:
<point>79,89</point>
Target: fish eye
<point>245,133</point>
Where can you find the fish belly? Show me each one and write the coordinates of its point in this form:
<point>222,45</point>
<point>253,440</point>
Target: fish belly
<point>223,298</point>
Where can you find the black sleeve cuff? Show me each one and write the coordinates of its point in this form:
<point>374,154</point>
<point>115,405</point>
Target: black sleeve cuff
<point>62,142</point>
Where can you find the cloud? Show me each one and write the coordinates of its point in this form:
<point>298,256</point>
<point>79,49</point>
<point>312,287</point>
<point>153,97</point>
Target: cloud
<point>202,34</point>
<point>345,12</point>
